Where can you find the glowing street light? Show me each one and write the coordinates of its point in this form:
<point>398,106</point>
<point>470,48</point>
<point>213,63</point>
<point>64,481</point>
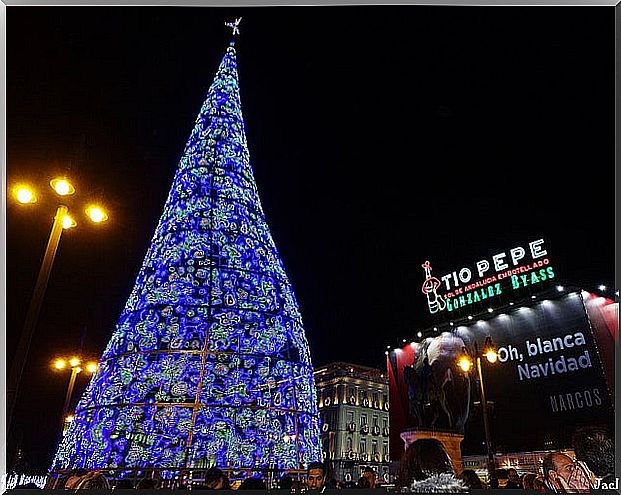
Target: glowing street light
<point>62,187</point>
<point>25,195</point>
<point>466,363</point>
<point>62,220</point>
<point>491,356</point>
<point>67,422</point>
<point>74,362</point>
<point>96,214</point>
<point>68,222</point>
<point>60,364</point>
<point>489,351</point>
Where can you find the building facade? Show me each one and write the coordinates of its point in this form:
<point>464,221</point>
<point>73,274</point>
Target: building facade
<point>353,407</point>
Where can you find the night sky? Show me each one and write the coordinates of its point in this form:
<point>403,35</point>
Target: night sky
<point>380,137</point>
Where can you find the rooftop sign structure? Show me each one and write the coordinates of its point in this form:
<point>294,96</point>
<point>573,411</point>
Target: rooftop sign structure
<point>503,273</point>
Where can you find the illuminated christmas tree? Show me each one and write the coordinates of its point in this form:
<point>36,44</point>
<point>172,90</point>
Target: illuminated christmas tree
<point>208,364</point>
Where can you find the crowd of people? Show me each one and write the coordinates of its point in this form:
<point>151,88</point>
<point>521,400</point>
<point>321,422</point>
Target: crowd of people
<point>424,467</point>
<point>213,479</point>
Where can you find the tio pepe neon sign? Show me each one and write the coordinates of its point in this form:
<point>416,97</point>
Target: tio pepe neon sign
<point>509,270</point>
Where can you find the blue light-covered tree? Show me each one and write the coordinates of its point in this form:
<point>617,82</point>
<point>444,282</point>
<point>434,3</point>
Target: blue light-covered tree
<point>208,364</point>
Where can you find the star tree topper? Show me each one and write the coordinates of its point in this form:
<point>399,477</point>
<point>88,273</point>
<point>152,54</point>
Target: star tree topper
<point>234,25</point>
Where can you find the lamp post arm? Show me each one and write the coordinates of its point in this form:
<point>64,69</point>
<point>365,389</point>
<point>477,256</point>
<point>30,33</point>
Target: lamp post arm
<point>74,374</point>
<point>491,465</point>
<point>19,359</point>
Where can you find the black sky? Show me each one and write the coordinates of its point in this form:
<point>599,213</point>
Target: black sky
<point>380,137</point>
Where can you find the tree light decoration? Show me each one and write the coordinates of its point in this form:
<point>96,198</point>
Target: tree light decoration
<point>10,481</point>
<point>209,363</point>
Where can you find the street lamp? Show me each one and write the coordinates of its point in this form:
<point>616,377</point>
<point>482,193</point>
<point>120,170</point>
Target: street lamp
<point>466,364</point>
<point>75,363</point>
<point>67,423</point>
<point>26,196</point>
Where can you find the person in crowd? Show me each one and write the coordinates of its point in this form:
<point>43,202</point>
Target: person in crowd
<point>183,481</point>
<point>595,449</point>
<point>58,483</point>
<point>556,466</point>
<point>316,476</point>
<point>148,484</point>
<point>73,478</point>
<point>426,467</point>
<point>539,483</point>
<point>513,479</point>
<point>124,484</point>
<point>501,479</point>
<point>285,482</point>
<point>369,473</point>
<point>216,479</point>
<point>471,479</point>
<point>363,482</point>
<point>333,484</point>
<point>27,486</point>
<point>528,480</point>
<point>562,475</point>
<point>93,480</point>
<point>252,484</point>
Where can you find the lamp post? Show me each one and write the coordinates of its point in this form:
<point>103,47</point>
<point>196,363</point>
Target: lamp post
<point>62,220</point>
<point>74,363</point>
<point>465,363</point>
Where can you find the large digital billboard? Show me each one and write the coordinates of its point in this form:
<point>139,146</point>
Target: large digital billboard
<point>548,379</point>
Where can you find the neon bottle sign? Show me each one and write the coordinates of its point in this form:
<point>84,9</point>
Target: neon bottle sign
<point>521,267</point>
<point>430,285</point>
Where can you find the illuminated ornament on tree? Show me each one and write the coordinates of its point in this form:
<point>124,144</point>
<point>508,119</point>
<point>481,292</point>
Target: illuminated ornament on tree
<point>209,364</point>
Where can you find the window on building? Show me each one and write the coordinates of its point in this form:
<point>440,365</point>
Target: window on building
<point>350,416</point>
<point>385,449</point>
<point>375,420</point>
<point>385,398</point>
<point>363,419</point>
<point>385,423</point>
<point>375,397</point>
<point>374,446</point>
<point>350,444</point>
<point>328,419</point>
<point>363,446</point>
